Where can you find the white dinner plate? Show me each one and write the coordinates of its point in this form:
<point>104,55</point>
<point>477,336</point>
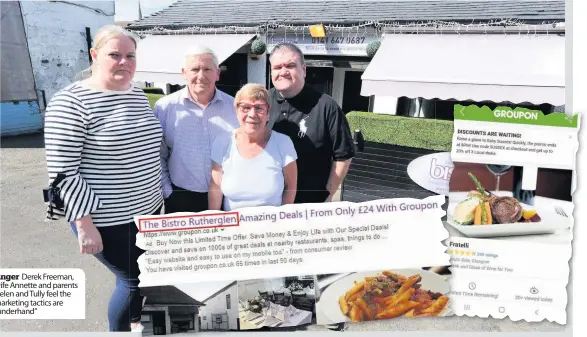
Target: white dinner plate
<point>329,310</point>
<point>550,223</point>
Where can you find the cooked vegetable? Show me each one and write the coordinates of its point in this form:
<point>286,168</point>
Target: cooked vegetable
<point>477,219</point>
<point>483,214</point>
<point>478,185</point>
<point>527,214</point>
<point>465,211</point>
<point>484,208</point>
<point>535,218</point>
<point>475,194</point>
<point>486,218</point>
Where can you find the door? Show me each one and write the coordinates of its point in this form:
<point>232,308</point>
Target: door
<point>158,318</point>
<point>320,78</point>
<point>351,98</point>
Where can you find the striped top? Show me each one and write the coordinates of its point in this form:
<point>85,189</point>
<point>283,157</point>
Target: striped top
<point>108,145</point>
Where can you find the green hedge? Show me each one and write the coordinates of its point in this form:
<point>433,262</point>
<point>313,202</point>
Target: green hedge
<point>158,91</point>
<point>423,133</point>
<point>153,98</point>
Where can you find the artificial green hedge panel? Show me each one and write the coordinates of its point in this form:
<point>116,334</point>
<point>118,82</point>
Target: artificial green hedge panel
<point>423,133</point>
<point>153,98</point>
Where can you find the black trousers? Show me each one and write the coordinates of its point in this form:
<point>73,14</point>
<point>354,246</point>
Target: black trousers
<point>311,196</point>
<point>182,200</point>
<point>120,255</point>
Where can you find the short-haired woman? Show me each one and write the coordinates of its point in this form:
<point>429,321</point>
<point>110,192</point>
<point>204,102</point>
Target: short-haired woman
<point>253,166</point>
<point>102,136</point>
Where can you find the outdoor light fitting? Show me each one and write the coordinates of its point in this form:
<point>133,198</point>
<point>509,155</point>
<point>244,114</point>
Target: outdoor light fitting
<point>317,30</point>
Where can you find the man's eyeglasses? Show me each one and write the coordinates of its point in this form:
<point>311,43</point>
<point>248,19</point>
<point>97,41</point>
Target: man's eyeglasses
<point>246,107</point>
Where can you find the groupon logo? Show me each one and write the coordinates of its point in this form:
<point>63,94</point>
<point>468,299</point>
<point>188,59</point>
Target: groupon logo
<point>432,172</point>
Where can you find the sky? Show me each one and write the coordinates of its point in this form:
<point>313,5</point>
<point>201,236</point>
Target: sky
<point>128,10</point>
<point>201,291</point>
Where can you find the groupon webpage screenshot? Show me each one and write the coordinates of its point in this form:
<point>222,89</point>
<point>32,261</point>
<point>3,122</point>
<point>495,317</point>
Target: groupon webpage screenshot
<point>510,211</point>
<point>262,261</point>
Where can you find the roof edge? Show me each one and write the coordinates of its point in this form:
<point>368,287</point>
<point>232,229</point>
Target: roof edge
<point>460,26</point>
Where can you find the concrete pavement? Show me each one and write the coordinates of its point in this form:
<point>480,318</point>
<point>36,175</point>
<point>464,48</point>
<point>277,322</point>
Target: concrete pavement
<point>26,241</point>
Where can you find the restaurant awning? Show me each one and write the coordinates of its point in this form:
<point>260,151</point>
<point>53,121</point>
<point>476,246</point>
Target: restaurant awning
<point>161,57</point>
<point>514,68</point>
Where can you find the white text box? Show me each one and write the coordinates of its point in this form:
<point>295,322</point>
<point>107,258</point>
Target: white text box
<point>514,144</point>
<point>42,294</point>
<point>300,239</point>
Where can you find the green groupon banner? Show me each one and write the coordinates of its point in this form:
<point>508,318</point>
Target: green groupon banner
<point>503,114</point>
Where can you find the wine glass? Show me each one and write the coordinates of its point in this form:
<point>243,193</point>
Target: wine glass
<point>498,171</point>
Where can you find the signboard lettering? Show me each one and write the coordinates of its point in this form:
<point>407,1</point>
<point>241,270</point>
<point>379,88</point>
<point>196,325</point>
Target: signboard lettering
<point>339,40</point>
<point>432,172</point>
<point>333,44</point>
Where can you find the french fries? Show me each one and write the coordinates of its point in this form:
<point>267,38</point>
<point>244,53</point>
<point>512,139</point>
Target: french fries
<point>390,295</point>
<point>394,275</point>
<point>433,310</point>
<point>358,287</point>
<point>397,310</point>
<point>355,314</point>
<point>401,297</point>
<point>364,307</point>
<point>344,306</point>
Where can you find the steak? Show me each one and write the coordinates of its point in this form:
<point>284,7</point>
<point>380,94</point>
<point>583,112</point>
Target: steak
<point>505,210</point>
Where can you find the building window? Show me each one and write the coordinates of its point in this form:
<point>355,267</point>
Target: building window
<point>228,301</point>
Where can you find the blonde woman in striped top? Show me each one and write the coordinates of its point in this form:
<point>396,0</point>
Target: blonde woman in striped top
<point>102,135</point>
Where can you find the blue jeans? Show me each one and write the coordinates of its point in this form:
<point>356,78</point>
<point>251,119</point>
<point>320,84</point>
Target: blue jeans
<point>120,255</point>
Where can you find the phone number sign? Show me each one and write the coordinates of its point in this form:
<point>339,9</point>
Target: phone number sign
<point>349,45</point>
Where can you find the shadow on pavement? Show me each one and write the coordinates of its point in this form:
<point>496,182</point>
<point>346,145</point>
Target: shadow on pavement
<point>30,141</point>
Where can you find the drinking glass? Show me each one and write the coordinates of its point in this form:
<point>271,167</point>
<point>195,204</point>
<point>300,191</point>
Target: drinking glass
<point>498,171</point>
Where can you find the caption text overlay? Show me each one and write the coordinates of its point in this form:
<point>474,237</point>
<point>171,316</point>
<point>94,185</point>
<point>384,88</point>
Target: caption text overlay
<point>42,294</point>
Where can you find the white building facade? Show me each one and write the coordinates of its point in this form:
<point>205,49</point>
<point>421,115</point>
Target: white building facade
<point>220,311</point>
<point>45,44</point>
<point>58,41</point>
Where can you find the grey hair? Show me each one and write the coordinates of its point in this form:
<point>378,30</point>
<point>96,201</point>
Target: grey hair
<point>102,36</point>
<point>289,47</point>
<point>202,50</point>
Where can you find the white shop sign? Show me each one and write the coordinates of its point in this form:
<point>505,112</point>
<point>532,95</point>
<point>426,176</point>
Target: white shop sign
<point>432,171</point>
<point>333,44</point>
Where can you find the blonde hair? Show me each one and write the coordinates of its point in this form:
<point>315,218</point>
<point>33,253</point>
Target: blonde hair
<point>254,91</point>
<point>102,36</point>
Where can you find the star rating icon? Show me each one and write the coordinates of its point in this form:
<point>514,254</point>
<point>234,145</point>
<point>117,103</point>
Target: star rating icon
<point>461,252</point>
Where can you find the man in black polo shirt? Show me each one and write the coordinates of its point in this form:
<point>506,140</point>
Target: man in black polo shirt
<point>314,121</point>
